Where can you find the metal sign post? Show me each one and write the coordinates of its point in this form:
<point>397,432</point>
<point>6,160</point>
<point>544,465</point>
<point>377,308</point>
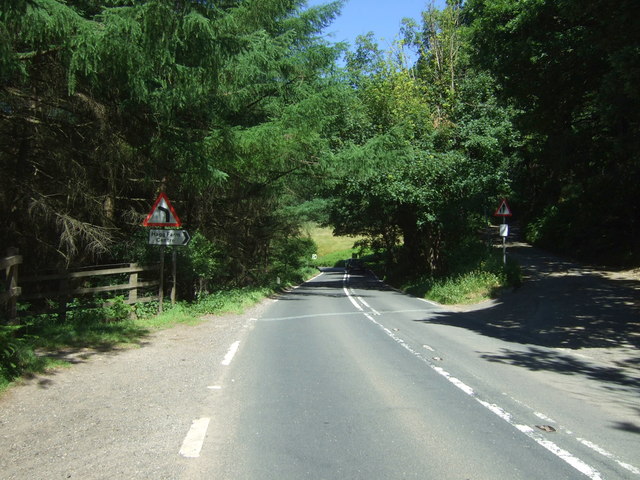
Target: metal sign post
<point>174,263</point>
<point>504,232</point>
<point>503,211</point>
<point>163,214</point>
<point>161,288</point>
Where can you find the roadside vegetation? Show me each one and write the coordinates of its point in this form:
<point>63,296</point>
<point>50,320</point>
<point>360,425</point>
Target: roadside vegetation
<point>256,126</point>
<point>30,347</point>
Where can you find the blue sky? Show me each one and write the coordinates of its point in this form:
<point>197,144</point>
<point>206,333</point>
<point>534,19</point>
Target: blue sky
<point>382,17</point>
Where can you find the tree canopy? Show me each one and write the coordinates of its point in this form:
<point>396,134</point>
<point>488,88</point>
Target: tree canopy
<point>572,68</point>
<point>239,110</point>
<point>104,103</point>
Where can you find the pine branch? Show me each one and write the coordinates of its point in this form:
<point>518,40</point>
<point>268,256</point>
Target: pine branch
<point>39,53</point>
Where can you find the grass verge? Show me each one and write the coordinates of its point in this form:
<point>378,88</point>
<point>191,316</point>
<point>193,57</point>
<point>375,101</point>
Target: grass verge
<point>479,281</point>
<point>331,250</point>
<point>24,348</point>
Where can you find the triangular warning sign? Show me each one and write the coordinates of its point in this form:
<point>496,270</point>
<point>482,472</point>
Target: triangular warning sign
<point>503,210</point>
<point>162,214</point>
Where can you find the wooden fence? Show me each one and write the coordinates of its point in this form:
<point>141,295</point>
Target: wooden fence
<point>67,285</point>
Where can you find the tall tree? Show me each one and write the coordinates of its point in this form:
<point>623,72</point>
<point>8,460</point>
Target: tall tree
<point>437,151</point>
<point>572,68</point>
<point>103,103</point>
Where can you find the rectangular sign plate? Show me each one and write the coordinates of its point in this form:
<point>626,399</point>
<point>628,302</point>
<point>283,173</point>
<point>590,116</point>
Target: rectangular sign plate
<point>168,237</point>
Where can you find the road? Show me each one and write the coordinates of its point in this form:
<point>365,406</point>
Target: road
<point>339,378</point>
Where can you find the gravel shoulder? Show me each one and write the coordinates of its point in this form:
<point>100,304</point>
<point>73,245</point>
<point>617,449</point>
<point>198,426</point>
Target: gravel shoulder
<point>121,413</point>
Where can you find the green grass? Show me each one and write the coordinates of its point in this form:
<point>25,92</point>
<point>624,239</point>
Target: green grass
<point>481,280</point>
<point>331,249</point>
<point>98,328</point>
<point>472,287</point>
<point>218,303</point>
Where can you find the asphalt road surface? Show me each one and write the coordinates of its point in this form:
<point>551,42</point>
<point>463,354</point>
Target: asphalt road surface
<point>341,378</point>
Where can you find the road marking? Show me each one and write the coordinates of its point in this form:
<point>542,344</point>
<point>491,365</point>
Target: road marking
<point>313,315</point>
<point>195,438</point>
<point>609,455</point>
<point>586,443</point>
<point>461,385</point>
<point>230,354</point>
<point>215,387</point>
<point>349,296</point>
<point>373,310</point>
<point>430,302</point>
<point>564,455</point>
<point>361,300</point>
<point>568,457</point>
<point>542,416</point>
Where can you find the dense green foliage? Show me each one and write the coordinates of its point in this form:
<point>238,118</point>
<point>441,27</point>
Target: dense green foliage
<point>104,103</point>
<point>573,68</point>
<point>240,112</point>
<point>433,152</point>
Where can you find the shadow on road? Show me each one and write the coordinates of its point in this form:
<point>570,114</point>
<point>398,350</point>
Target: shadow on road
<point>561,304</point>
<point>538,359</point>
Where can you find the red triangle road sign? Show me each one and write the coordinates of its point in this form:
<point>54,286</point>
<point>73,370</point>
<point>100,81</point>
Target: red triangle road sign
<point>162,214</point>
<point>503,210</point>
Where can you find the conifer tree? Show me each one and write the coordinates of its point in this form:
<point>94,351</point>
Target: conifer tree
<point>106,102</point>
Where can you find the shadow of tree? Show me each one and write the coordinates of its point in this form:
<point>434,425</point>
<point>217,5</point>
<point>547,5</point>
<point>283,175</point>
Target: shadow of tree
<point>537,359</point>
<point>628,426</point>
<point>561,304</point>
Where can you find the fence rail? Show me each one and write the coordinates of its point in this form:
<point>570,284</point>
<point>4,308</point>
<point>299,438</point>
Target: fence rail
<point>64,286</point>
<point>65,290</point>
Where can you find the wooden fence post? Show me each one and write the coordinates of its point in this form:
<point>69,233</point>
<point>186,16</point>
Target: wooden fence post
<point>133,281</point>
<point>12,287</point>
<point>63,298</point>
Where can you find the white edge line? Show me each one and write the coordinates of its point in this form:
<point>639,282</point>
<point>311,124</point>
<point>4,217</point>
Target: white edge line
<point>609,455</point>
<point>542,416</point>
<point>430,302</point>
<point>564,455</point>
<point>195,438</point>
<point>353,300</point>
<point>230,354</point>
<point>364,303</point>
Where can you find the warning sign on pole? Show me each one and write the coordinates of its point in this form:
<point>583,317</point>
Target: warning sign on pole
<point>503,210</point>
<point>162,214</point>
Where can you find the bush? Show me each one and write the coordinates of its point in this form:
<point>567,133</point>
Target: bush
<point>16,355</point>
<point>476,273</point>
<point>292,259</point>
